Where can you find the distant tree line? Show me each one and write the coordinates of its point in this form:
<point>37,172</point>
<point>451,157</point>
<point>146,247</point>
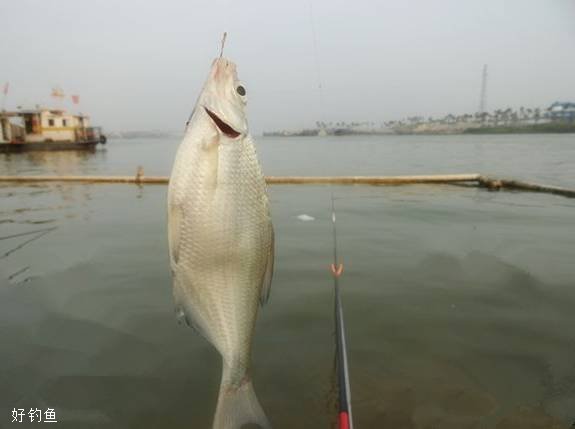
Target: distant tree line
<point>498,117</point>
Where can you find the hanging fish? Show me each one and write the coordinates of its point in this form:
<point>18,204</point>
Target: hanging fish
<point>221,238</point>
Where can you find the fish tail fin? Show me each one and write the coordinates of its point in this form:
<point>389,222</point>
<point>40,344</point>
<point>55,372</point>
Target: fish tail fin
<point>238,407</point>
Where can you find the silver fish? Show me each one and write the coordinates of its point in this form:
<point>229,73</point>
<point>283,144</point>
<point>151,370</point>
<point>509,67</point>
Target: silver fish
<point>221,238</point>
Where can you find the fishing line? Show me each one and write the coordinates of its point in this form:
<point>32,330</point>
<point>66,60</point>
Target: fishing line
<point>316,61</point>
<point>222,46</point>
<point>345,420</point>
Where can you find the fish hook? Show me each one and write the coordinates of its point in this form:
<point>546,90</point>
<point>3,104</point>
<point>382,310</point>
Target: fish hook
<point>223,43</point>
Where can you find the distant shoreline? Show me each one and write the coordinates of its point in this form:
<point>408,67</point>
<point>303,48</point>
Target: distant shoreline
<point>544,128</point>
<point>547,128</point>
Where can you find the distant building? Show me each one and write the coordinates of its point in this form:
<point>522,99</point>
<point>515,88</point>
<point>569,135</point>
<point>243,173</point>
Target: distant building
<point>46,126</point>
<point>562,111</point>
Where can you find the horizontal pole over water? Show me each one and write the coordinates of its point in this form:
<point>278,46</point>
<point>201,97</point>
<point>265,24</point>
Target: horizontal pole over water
<point>272,180</point>
<point>87,179</point>
<point>496,184</point>
<point>476,179</point>
<point>371,180</point>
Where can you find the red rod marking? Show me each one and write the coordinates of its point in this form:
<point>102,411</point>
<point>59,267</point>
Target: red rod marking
<point>343,420</point>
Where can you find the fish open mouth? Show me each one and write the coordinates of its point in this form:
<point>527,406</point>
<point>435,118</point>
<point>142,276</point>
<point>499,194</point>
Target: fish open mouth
<point>224,128</point>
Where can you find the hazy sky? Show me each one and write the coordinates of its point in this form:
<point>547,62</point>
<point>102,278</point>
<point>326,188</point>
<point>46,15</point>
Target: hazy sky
<point>140,64</point>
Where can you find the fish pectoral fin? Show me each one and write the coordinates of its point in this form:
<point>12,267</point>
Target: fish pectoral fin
<point>268,273</point>
<point>175,215</point>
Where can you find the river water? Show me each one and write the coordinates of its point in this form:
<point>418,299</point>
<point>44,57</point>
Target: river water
<point>459,302</point>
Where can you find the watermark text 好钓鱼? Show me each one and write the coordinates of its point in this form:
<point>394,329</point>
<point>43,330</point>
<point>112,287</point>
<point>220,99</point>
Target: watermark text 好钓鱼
<point>34,415</point>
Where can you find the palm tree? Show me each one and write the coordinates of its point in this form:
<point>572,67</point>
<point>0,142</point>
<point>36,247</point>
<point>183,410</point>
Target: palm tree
<point>498,115</point>
<point>507,115</point>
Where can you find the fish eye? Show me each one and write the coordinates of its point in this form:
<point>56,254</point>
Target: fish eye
<point>241,90</point>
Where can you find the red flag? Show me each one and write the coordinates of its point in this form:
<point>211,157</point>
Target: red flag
<point>75,99</point>
<point>6,86</point>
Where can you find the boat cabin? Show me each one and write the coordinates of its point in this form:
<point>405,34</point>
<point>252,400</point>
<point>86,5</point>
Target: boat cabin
<point>46,126</point>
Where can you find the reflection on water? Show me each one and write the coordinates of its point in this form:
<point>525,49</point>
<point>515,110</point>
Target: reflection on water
<point>459,302</point>
<point>23,209</point>
<point>66,162</point>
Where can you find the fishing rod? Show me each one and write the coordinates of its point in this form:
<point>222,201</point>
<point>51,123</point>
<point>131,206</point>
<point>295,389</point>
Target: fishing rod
<point>345,420</point>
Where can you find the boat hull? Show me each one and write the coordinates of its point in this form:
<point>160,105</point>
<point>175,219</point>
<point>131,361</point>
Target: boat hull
<point>46,146</point>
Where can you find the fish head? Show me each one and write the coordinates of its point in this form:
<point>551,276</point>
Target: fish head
<point>224,99</point>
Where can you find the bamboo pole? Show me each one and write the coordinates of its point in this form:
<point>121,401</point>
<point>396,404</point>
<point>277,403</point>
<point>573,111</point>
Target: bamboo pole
<point>371,180</point>
<point>272,180</point>
<point>87,179</point>
<point>475,179</point>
